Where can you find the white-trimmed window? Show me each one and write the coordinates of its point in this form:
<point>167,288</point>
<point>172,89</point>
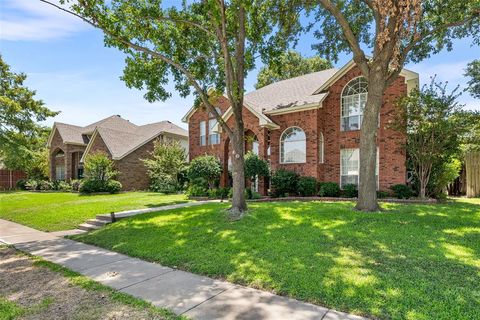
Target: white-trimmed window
<point>321,146</point>
<point>354,99</point>
<point>203,133</point>
<point>213,136</point>
<point>350,166</point>
<point>60,172</point>
<point>293,146</point>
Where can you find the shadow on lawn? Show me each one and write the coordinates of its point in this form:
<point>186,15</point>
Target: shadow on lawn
<point>408,262</point>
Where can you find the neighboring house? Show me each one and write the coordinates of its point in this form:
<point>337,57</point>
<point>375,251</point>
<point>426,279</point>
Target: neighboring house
<point>309,124</point>
<point>124,142</point>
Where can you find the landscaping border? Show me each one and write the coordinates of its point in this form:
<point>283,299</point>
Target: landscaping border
<point>270,199</point>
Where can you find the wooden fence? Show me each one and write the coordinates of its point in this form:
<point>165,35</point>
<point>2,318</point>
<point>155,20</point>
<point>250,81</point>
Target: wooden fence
<point>472,166</point>
<point>9,178</point>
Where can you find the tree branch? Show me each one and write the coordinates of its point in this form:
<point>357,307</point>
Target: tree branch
<point>157,55</point>
<point>358,54</point>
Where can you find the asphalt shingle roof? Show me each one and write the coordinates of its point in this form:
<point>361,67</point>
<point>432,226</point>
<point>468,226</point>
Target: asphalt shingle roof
<point>292,92</point>
<point>120,135</point>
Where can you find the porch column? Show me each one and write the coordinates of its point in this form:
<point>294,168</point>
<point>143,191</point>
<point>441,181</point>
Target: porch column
<point>68,164</point>
<point>263,154</point>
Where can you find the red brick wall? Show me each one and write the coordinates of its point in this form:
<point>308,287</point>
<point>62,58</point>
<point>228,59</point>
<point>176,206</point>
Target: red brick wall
<point>392,158</point>
<point>326,120</point>
<point>70,160</point>
<point>98,145</point>
<point>9,178</point>
<point>133,173</point>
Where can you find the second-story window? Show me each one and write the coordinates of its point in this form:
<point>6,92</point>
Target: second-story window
<point>354,98</point>
<point>203,133</point>
<point>213,136</point>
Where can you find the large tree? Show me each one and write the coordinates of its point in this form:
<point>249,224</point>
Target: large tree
<point>290,64</point>
<point>473,73</point>
<point>392,33</point>
<point>198,44</point>
<point>21,136</point>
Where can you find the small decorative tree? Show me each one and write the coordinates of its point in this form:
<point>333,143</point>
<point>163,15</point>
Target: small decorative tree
<point>166,161</point>
<point>434,129</point>
<point>98,166</point>
<point>255,167</point>
<point>99,174</point>
<point>205,167</point>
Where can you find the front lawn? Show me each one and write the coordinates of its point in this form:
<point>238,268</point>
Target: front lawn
<point>62,211</point>
<point>408,262</point>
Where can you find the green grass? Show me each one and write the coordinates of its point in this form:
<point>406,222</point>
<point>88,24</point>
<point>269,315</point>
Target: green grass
<point>56,211</point>
<point>9,310</point>
<point>407,262</point>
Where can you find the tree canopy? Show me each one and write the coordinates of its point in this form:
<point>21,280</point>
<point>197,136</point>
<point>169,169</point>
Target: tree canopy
<point>290,64</point>
<point>473,73</point>
<point>198,45</point>
<point>435,126</point>
<point>383,35</point>
<point>21,135</point>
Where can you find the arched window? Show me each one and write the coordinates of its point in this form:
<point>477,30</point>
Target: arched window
<point>354,98</point>
<point>321,145</point>
<point>59,154</point>
<point>293,146</point>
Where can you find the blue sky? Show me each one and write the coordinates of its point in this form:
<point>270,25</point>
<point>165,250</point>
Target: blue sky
<point>72,72</point>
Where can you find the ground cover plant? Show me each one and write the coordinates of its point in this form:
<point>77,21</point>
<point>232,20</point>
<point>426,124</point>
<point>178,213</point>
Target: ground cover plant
<point>61,211</point>
<point>407,262</point>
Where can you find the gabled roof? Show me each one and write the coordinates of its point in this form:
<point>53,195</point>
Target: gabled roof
<point>295,94</point>
<point>121,136</point>
<point>288,93</point>
<point>122,142</point>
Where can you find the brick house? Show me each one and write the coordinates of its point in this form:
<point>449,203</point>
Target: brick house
<point>309,124</point>
<point>124,142</point>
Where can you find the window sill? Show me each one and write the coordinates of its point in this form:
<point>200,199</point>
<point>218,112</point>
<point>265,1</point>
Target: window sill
<point>292,162</point>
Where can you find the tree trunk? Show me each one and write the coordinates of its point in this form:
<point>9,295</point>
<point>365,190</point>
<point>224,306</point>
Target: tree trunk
<point>239,204</point>
<point>367,189</point>
<point>423,188</point>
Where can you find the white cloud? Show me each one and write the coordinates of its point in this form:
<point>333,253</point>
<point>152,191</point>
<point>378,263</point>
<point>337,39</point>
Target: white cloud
<point>32,20</point>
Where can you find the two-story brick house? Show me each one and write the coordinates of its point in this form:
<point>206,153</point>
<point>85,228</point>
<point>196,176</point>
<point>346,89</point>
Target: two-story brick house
<point>123,141</point>
<point>309,124</point>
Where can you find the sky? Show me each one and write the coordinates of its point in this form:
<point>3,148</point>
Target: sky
<point>73,72</point>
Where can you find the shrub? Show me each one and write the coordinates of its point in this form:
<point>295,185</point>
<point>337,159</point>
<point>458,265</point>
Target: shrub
<point>91,186</point>
<point>196,191</point>
<point>99,167</point>
<point>307,186</point>
<point>329,189</point>
<point>76,184</point>
<point>166,185</point>
<point>21,184</point>
<point>401,191</point>
<point>284,182</point>
<point>254,166</point>
<point>205,167</point>
<point>113,186</point>
<point>32,184</point>
<point>218,193</point>
<point>166,162</point>
<point>350,190</point>
<point>46,185</point>
<point>383,194</point>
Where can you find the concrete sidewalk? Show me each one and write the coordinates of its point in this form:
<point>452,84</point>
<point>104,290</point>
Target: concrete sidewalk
<point>184,293</point>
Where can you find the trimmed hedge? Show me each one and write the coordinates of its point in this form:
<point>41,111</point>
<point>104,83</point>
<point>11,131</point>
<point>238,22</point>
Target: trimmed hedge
<point>329,189</point>
<point>307,186</point>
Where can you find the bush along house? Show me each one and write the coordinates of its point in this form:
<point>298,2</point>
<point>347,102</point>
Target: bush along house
<point>309,124</point>
<point>124,142</point>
